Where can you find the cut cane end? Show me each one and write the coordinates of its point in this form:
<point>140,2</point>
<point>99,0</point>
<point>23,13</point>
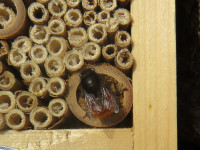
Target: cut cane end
<point>89,4</point>
<point>22,43</point>
<point>7,81</point>
<point>4,49</point>
<point>103,16</point>
<point>57,27</point>
<point>57,8</point>
<point>108,5</point>
<point>73,3</point>
<point>73,61</point>
<point>7,101</point>
<point>38,54</point>
<point>122,39</point>
<point>89,18</point>
<point>109,52</point>
<point>16,58</point>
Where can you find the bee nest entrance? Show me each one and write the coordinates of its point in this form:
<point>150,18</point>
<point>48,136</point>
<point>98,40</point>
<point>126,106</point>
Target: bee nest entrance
<point>123,94</point>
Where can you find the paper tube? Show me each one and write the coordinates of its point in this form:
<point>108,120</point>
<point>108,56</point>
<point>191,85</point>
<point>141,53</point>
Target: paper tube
<point>7,101</point>
<point>17,120</point>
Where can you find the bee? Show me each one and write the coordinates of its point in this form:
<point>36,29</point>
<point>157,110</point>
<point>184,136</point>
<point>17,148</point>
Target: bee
<point>98,99</point>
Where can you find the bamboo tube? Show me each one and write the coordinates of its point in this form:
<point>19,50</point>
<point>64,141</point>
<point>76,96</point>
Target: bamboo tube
<point>124,60</point>
<point>91,52</point>
<point>29,71</point>
<point>73,61</point>
<point>7,16</point>
<point>38,14</point>
<point>109,52</point>
<point>43,1</point>
<point>89,4</point>
<point>41,118</point>
<point>39,34</point>
<point>39,87</point>
<point>112,26</point>
<point>38,54</point>
<point>16,58</point>
<point>97,33</point>
<point>77,37</point>
<point>8,82</point>
<point>108,5</point>
<point>59,108</point>
<point>103,16</point>
<point>18,23</point>
<point>89,18</point>
<point>22,43</point>
<point>73,3</point>
<point>57,8</point>
<point>26,101</point>
<point>57,46</point>
<point>17,120</point>
<point>115,81</point>
<point>54,67</point>
<point>122,39</point>
<point>123,17</point>
<point>7,101</point>
<point>2,122</point>
<point>4,49</point>
<point>57,27</point>
<point>56,87</point>
<point>73,18</point>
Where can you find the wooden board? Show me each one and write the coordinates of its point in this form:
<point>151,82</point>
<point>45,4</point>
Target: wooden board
<point>154,87</point>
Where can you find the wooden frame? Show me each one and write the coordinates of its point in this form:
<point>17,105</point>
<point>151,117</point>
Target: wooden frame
<point>154,87</point>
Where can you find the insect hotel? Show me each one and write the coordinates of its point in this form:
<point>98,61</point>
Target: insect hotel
<point>88,74</point>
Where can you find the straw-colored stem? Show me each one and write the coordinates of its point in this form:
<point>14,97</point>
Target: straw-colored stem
<point>73,3</point>
<point>22,43</point>
<point>103,16</point>
<point>55,67</point>
<point>97,33</point>
<point>73,61</point>
<point>89,4</point>
<point>43,1</point>
<point>123,17</point>
<point>7,101</point>
<point>39,34</point>
<point>108,5</point>
<point>4,49</point>
<point>109,52</point>
<point>57,8</point>
<point>26,101</point>
<point>124,60</point>
<point>91,52</point>
<point>56,87</point>
<point>16,58</point>
<point>57,27</point>
<point>30,71</point>
<point>8,82</point>
<point>77,37</point>
<point>38,54</point>
<point>73,18</point>
<point>2,122</point>
<point>38,13</point>
<point>57,46</point>
<point>39,87</point>
<point>112,26</point>
<point>89,18</point>
<point>122,39</point>
<point>41,118</point>
<point>7,16</point>
<point>59,108</point>
<point>17,120</point>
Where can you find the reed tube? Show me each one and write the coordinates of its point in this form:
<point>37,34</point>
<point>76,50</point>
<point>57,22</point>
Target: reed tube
<point>122,39</point>
<point>89,18</point>
<point>4,49</point>
<point>22,43</point>
<point>57,27</point>
<point>7,101</point>
<point>89,4</point>
<point>103,16</point>
<point>109,52</point>
<point>73,3</point>
<point>108,5</point>
<point>57,8</point>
